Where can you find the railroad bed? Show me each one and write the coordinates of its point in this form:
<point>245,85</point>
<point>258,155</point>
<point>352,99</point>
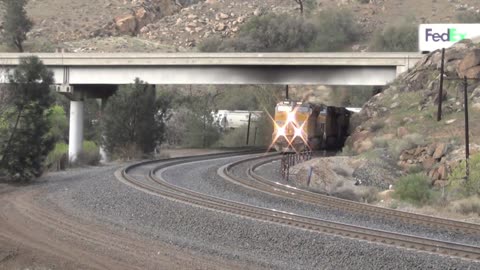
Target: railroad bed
<point>148,177</point>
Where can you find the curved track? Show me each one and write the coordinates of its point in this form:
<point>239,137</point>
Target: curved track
<point>260,183</point>
<point>143,176</point>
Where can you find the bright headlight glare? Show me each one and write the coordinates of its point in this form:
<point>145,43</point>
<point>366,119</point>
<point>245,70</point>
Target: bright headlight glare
<point>291,117</point>
<point>298,132</point>
<point>281,131</point>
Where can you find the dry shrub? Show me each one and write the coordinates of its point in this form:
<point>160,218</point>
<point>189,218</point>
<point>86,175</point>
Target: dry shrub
<point>410,141</point>
<point>470,205</point>
<point>128,152</point>
<point>163,155</point>
<point>347,194</point>
<point>342,171</point>
<point>369,194</point>
<point>380,142</point>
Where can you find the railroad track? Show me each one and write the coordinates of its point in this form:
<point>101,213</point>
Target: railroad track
<point>265,185</point>
<point>153,182</point>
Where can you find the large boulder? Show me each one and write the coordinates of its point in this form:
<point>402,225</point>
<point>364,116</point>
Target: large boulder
<point>470,65</point>
<point>126,24</point>
<point>472,73</point>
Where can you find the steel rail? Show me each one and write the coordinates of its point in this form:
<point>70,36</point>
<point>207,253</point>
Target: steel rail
<point>161,187</point>
<point>260,183</point>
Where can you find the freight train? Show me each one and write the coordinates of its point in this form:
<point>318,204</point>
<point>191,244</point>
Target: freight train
<point>302,126</point>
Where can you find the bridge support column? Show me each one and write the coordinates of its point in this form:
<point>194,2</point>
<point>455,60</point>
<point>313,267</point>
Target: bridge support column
<point>76,130</point>
<point>104,157</point>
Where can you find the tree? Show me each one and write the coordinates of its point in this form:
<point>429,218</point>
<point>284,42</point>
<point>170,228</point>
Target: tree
<point>133,121</point>
<point>58,123</point>
<point>16,24</point>
<point>26,142</point>
<point>201,128</point>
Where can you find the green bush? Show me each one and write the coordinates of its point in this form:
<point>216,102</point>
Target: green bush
<point>58,122</point>
<point>211,44</point>
<point>275,33</point>
<point>90,154</point>
<point>401,37</point>
<point>414,188</point>
<point>377,125</point>
<point>330,30</point>
<point>461,186</point>
<point>335,30</point>
<point>57,159</point>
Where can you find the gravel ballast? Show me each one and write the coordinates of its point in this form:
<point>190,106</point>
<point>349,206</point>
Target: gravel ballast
<point>187,176</point>
<point>95,194</point>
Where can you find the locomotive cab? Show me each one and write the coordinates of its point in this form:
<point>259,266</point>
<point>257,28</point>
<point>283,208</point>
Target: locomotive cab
<point>300,126</point>
<point>291,126</point>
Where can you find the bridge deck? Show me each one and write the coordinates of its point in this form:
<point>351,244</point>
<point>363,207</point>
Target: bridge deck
<point>218,59</point>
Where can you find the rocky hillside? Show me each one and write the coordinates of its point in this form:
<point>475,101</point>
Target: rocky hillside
<point>179,25</point>
<point>402,120</point>
<point>397,132</point>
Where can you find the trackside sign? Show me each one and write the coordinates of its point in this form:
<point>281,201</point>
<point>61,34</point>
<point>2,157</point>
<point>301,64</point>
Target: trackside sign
<point>437,36</point>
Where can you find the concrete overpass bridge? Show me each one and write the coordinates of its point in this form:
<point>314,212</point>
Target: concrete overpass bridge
<point>224,68</point>
<point>80,76</point>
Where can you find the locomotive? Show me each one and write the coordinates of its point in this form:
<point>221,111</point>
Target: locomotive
<point>302,126</point>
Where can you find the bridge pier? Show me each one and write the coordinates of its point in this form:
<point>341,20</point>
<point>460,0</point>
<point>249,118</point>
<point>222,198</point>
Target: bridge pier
<point>77,94</point>
<point>75,134</point>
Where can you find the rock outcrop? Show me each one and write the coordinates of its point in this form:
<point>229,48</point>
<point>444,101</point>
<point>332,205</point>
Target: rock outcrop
<point>408,107</point>
<point>143,13</point>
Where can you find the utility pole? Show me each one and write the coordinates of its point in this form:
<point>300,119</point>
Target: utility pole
<point>248,126</point>
<point>440,90</point>
<point>467,137</point>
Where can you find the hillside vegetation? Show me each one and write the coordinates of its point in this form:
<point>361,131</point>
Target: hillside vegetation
<point>169,25</point>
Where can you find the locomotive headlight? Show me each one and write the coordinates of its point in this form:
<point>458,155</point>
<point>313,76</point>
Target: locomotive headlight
<point>281,131</point>
<point>298,132</point>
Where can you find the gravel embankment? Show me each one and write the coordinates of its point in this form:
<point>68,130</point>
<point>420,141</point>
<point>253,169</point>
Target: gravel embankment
<point>95,194</point>
<point>202,177</point>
